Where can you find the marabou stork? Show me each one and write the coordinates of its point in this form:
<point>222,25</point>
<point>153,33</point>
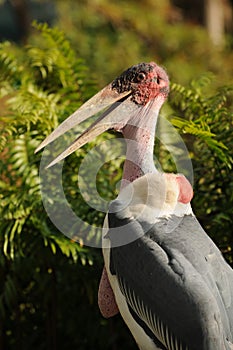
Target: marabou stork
<point>170,282</point>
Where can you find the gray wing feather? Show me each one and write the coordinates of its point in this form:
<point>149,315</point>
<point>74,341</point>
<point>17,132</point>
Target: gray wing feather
<point>178,284</point>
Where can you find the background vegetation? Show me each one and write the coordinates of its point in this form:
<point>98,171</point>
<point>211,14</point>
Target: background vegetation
<point>48,283</point>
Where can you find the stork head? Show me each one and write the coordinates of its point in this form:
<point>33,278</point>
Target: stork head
<point>129,99</point>
<point>144,82</point>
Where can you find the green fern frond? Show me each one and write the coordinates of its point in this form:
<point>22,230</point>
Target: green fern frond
<point>202,116</point>
<point>41,86</point>
<point>10,67</point>
<point>56,60</point>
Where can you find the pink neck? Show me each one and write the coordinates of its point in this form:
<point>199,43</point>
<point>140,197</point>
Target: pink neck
<point>139,154</point>
<point>139,134</point>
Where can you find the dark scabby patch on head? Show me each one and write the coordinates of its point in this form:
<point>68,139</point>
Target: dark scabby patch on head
<point>131,75</point>
<point>143,80</point>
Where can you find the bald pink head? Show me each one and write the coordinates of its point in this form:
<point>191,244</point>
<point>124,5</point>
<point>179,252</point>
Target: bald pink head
<point>145,81</point>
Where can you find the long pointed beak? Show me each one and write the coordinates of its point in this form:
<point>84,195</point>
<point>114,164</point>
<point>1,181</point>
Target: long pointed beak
<point>114,117</point>
<point>98,102</point>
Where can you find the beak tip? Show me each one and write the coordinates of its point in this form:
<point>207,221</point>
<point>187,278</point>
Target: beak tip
<point>39,147</point>
<point>55,161</point>
<point>51,164</point>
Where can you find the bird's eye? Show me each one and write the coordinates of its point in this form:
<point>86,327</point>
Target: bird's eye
<point>141,76</point>
<point>158,80</point>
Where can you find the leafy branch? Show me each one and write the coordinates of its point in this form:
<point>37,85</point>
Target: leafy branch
<point>202,116</point>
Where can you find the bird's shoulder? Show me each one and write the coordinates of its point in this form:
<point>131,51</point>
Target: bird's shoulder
<point>173,277</point>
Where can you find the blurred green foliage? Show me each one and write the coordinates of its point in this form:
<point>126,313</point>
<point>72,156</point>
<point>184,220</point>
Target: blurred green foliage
<point>205,121</point>
<point>48,293</point>
<point>113,35</point>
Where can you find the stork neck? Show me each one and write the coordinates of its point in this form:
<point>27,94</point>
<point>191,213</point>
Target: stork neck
<point>139,153</point>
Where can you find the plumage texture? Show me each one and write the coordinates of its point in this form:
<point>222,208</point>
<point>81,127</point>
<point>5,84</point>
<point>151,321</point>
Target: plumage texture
<point>177,284</point>
<point>170,282</point>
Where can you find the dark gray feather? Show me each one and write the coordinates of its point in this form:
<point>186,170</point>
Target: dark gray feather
<point>177,283</point>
